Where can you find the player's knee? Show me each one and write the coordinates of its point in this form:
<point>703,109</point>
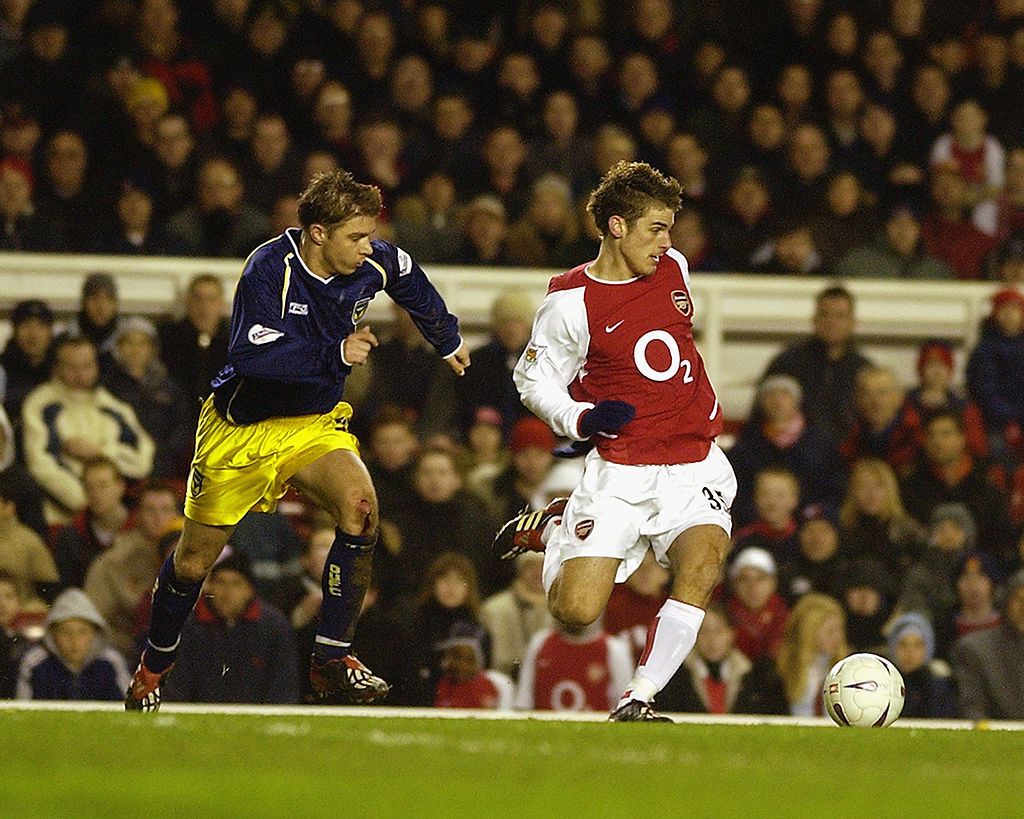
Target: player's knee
<point>576,612</point>
<point>355,511</point>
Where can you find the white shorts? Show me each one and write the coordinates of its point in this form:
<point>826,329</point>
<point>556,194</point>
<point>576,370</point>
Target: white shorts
<point>620,511</point>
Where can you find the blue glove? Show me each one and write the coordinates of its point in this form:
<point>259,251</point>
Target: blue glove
<point>606,418</point>
<point>575,449</point>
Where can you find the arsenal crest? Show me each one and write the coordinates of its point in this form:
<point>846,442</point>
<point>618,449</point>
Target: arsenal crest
<point>584,528</point>
<point>681,300</point>
<point>359,310</point>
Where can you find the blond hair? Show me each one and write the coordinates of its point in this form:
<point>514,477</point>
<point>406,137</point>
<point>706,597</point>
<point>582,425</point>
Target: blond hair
<point>878,469</point>
<point>797,651</point>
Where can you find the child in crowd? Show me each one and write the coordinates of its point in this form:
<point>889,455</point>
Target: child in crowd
<point>73,661</point>
<point>754,606</point>
<point>464,681</point>
<point>868,603</point>
<point>935,391</point>
<point>776,499</point>
<point>975,589</point>
<point>928,682</point>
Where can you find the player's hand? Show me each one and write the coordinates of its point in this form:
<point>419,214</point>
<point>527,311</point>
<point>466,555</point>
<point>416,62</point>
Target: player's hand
<point>606,418</point>
<point>355,349</point>
<point>459,360</point>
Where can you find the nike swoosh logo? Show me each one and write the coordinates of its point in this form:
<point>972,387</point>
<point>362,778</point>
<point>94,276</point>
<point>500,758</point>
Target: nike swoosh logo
<point>612,327</point>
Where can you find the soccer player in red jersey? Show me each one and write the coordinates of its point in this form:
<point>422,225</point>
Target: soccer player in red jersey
<point>612,360</point>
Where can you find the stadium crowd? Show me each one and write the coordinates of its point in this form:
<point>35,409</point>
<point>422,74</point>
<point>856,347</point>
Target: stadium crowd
<point>869,139</point>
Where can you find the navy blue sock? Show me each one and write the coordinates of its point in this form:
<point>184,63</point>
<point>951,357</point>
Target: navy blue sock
<point>345,580</point>
<point>173,601</point>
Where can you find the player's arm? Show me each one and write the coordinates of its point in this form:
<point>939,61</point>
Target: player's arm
<point>409,286</point>
<point>552,360</point>
<point>265,343</point>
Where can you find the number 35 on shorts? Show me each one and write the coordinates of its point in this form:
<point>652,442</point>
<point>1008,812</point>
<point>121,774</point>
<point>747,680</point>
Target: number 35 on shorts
<point>716,500</point>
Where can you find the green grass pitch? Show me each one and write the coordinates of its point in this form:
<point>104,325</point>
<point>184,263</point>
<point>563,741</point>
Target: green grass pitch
<point>195,765</point>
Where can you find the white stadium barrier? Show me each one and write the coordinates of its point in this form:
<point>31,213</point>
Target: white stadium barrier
<point>742,320</point>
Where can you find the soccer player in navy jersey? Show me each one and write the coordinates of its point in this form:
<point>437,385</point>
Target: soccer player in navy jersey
<point>275,418</point>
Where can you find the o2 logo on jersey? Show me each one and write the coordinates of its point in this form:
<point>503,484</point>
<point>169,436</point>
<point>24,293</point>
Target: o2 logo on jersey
<point>681,300</point>
<point>676,361</point>
<point>359,310</point>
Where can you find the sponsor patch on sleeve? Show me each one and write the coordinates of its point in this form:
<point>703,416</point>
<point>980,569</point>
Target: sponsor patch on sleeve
<point>404,262</point>
<point>258,334</point>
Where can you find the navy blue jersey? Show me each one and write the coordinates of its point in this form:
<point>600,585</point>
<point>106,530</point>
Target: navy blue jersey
<point>287,326</point>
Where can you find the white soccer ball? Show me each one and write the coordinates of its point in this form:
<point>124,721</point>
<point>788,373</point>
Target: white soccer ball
<point>864,690</point>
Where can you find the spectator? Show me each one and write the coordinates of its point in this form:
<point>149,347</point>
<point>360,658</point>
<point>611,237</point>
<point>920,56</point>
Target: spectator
<point>929,585</point>
<point>487,452</point>
<point>947,232</point>
<point>12,641</point>
<point>975,590</point>
<point>28,357</point>
<point>777,434</point>
<point>844,100</point>
<point>748,220</point>
<point>449,599</point>
<point>634,604</point>
<point>795,91</point>
<point>440,515</point>
<point>846,222</point>
<point>426,222</point>
<point>411,89</point>
<point>98,318</point>
<point>64,198</point>
<point>172,166</point>
<point>490,383</point>
<point>722,122</point>
<point>486,231</point>
<point>590,64</point>
<point>818,566</point>
<point>766,136</point>
<point>687,160</point>
<point>233,133</point>
<point>826,364</point>
<point>220,223</point>
<point>808,164</point>
<point>273,549</point>
<point>464,682</point>
<point>450,145</point>
<point>949,474</point>
<point>925,120</point>
<point>935,391</point>
<point>146,102</point>
<point>236,647</point>
<point>1008,262</point>
<point>1003,216</point>
<point>406,372</point>
<point>873,523</point>
<point>883,65</point>
<point>753,604</point>
<point>690,237</point>
<point>120,576</point>
<point>138,377</point>
<point>272,169</point>
<point>976,154</point>
<point>776,495</point>
<point>561,149</point>
<point>887,426</point>
<point>23,554</point>
<point>74,660</point>
<point>519,486</point>
<point>380,144</point>
<point>195,346</point>
<point>814,641</point>
<point>547,231</point>
<point>392,450</point>
<point>133,230</point>
<point>927,681</point>
<point>995,373</point>
<point>565,671</point>
<point>92,531</point>
<point>70,419</point>
<point>897,253</point>
<point>989,665</point>
<point>868,602</point>
<point>504,170</point>
<point>23,227</point>
<point>718,678</point>
<point>514,615</point>
<point>791,251</point>
<point>888,176</point>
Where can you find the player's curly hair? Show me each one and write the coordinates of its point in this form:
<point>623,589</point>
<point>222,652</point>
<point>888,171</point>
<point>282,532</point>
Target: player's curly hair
<point>333,197</point>
<point>628,190</point>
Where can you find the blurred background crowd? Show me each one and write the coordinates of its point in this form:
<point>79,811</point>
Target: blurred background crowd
<point>872,139</point>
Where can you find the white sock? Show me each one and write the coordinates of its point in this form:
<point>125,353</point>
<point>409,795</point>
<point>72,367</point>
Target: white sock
<point>670,638</point>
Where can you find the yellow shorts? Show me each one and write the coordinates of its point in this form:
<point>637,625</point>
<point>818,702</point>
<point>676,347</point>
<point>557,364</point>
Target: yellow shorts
<point>242,468</point>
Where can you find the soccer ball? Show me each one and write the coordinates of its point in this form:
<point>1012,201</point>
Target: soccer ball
<point>864,690</point>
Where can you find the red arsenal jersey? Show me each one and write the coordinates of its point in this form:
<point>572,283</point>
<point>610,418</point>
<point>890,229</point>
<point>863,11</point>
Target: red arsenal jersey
<point>595,340</point>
